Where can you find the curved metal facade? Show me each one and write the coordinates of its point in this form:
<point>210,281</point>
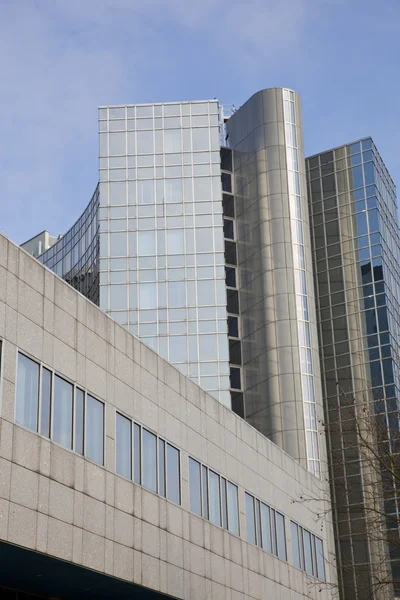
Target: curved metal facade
<point>282,388</point>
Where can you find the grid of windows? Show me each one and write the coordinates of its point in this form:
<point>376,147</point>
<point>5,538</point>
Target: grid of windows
<point>59,410</point>
<point>303,323</point>
<point>356,251</point>
<point>307,551</point>
<point>161,234</point>
<point>265,527</point>
<point>75,257</point>
<point>147,459</point>
<point>213,497</point>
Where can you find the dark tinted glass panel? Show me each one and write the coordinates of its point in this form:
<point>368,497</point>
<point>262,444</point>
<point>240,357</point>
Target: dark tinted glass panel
<point>45,403</point>
<point>230,276</point>
<point>228,205</point>
<point>229,229</point>
<point>226,180</point>
<point>27,392</point>
<point>230,253</point>
<point>195,486</point>
<point>233,326</point>
<point>235,378</point>
<point>232,301</point>
<point>235,352</point>
<point>237,403</point>
<point>79,420</point>
<point>226,159</point>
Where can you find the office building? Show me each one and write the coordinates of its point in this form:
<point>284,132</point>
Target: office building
<point>121,478</point>
<point>356,252</point>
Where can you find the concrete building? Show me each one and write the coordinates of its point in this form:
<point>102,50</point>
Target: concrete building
<point>120,476</point>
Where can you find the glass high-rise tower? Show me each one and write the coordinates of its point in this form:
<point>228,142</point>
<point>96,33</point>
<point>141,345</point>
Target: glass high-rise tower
<point>356,252</point>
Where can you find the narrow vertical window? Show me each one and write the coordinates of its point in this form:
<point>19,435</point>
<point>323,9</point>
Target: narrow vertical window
<point>149,461</point>
<point>258,523</point>
<point>266,528</point>
<point>94,430</point>
<point>280,536</point>
<point>204,491</point>
<point>45,402</point>
<point>224,508</point>
<point>79,420</point>
<point>295,545</point>
<point>273,532</point>
<point>62,412</point>
<point>137,455</point>
<point>27,393</point>
<point>320,559</point>
<point>307,552</point>
<point>173,474</point>
<point>161,468</point>
<point>250,519</point>
<point>233,509</point>
<point>215,500</point>
<point>123,446</point>
<point>195,486</point>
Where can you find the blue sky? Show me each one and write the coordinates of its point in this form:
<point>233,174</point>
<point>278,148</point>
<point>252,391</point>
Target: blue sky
<point>60,59</point>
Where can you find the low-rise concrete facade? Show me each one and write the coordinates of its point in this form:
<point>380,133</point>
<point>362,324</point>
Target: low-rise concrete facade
<point>56,502</point>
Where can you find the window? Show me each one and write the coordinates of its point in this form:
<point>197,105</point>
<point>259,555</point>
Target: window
<point>229,232</point>
<point>27,403</point>
<point>45,411</point>
<point>95,430</point>
<point>173,190</point>
<point>233,326</point>
<point>149,461</point>
<point>173,474</point>
<point>195,486</point>
<point>123,446</point>
<point>62,412</point>
<point>156,464</point>
<point>265,527</point>
<point>307,551</point>
<point>213,497</point>
<point>230,276</point>
<point>79,420</point>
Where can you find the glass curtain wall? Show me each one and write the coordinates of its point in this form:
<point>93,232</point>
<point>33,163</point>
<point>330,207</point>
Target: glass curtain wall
<point>161,234</point>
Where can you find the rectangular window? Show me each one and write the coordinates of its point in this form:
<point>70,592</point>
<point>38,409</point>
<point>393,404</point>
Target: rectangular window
<point>250,519</point>
<point>62,412</point>
<point>233,509</point>
<point>195,486</point>
<point>215,500</point>
<point>280,536</point>
<point>204,491</point>
<point>94,430</point>
<point>308,565</point>
<point>79,420</point>
<point>149,460</point>
<point>137,474</point>
<point>319,550</point>
<point>45,404</point>
<point>266,528</point>
<point>161,468</point>
<point>224,508</point>
<point>173,474</point>
<point>295,545</point>
<point>27,403</point>
<point>123,446</point>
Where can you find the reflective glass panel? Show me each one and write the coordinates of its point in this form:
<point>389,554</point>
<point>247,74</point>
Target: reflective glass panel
<point>173,474</point>
<point>149,461</point>
<point>280,536</point>
<point>295,545</point>
<point>62,412</point>
<point>250,520</point>
<point>27,392</point>
<point>161,468</point>
<point>79,420</point>
<point>45,403</point>
<point>266,528</point>
<point>123,446</point>
<point>233,509</point>
<point>215,502</point>
<point>137,454</point>
<point>94,430</point>
<point>195,486</point>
